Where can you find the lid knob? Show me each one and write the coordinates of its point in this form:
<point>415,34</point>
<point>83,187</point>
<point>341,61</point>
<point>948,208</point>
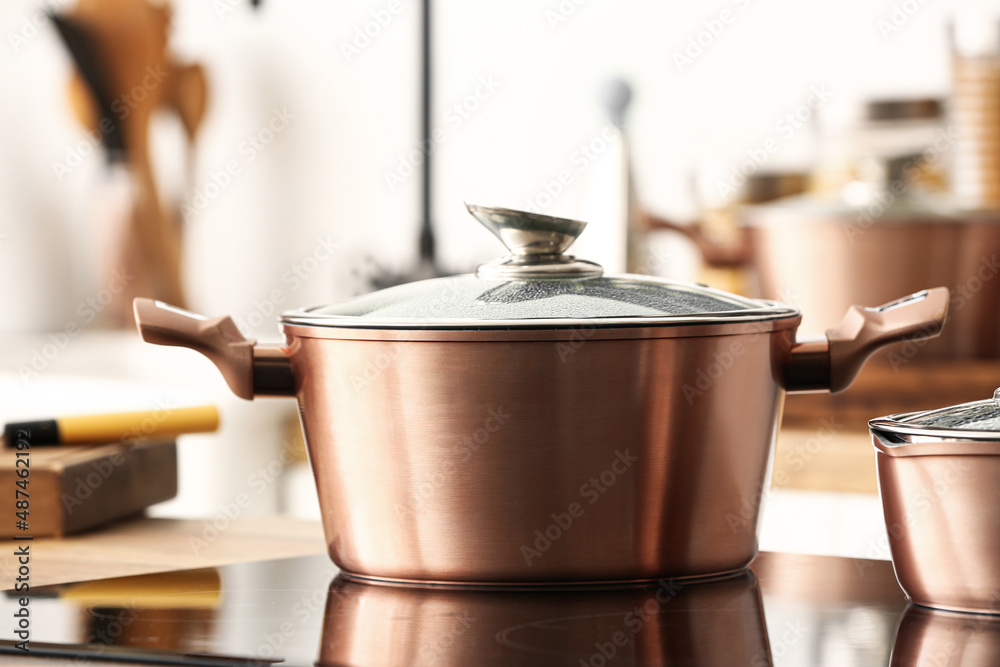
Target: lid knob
<point>536,242</point>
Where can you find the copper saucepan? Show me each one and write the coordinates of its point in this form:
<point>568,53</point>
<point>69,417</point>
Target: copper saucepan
<point>939,478</point>
<point>824,256</point>
<point>538,421</point>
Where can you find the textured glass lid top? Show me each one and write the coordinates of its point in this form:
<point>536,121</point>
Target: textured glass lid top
<point>536,285</point>
<point>472,298</point>
<point>975,416</point>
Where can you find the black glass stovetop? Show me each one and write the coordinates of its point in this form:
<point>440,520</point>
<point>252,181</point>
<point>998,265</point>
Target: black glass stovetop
<point>801,611</point>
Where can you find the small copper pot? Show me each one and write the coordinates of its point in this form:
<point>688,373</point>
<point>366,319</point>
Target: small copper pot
<point>939,478</point>
<point>538,422</point>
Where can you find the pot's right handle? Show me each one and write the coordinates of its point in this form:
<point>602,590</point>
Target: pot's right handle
<point>218,338</point>
<point>833,363</point>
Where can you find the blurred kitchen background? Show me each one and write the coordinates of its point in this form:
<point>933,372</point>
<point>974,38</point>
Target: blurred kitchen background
<point>286,144</point>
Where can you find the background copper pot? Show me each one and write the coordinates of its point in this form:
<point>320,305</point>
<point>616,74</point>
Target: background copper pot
<point>718,623</point>
<point>453,442</point>
<point>823,257</point>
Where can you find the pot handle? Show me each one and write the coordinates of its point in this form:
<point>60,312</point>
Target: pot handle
<point>834,361</point>
<point>713,252</point>
<point>249,369</point>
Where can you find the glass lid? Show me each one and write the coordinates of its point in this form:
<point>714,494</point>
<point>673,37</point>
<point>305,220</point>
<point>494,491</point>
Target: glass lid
<point>975,416</point>
<point>966,429</point>
<point>538,285</point>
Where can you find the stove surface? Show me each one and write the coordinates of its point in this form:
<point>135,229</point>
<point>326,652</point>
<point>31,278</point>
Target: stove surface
<point>790,611</point>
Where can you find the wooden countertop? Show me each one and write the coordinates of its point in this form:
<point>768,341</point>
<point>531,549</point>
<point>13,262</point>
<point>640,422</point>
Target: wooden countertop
<point>824,459</point>
<point>145,545</point>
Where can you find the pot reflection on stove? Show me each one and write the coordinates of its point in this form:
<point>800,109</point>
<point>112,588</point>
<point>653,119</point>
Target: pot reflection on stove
<point>935,638</point>
<point>713,623</point>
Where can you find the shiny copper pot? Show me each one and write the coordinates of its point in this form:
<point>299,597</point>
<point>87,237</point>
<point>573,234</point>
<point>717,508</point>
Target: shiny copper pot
<point>538,421</point>
<point>939,478</point>
<point>823,257</point>
<point>707,624</point>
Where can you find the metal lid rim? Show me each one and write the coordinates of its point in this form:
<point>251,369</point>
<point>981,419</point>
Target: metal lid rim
<point>776,312</point>
<point>538,333</point>
<point>959,442</point>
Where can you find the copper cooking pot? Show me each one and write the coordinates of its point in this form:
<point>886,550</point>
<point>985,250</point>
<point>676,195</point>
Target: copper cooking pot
<point>824,256</point>
<point>539,421</point>
<point>939,478</point>
<point>702,624</point>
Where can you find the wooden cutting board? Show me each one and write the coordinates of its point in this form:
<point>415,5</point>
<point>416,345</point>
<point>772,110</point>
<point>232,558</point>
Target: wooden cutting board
<point>70,489</point>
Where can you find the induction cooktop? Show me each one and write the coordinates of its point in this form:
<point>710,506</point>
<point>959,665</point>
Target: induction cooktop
<point>302,612</point>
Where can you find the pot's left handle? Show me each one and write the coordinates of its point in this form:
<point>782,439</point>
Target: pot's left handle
<point>249,369</point>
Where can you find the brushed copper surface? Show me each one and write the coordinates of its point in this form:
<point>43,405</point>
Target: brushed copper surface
<point>942,514</point>
<point>720,623</point>
<point>932,638</point>
<point>536,461</point>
